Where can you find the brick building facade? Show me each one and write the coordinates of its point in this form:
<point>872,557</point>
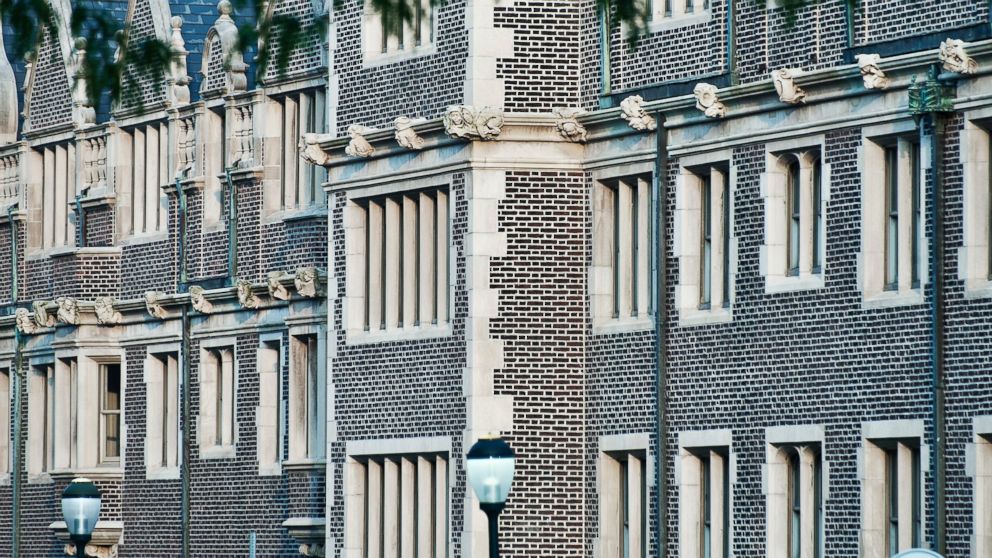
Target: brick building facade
<point>275,313</point>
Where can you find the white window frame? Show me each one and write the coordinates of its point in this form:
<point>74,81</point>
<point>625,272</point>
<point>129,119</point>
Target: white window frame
<point>379,49</point>
<point>269,413</point>
<point>307,396</point>
<point>6,461</point>
<point>774,258</point>
<point>872,473</point>
<point>143,205</point>
<point>722,173</point>
<point>105,412</point>
<point>620,247</point>
<point>808,442</point>
<point>614,449</point>
<point>40,444</point>
<point>207,418</point>
<point>52,188</point>
<point>162,378</point>
<point>975,254</point>
<point>978,466</point>
<point>357,518</point>
<point>718,444</point>
<point>365,275</point>
<point>215,130</point>
<point>872,263</point>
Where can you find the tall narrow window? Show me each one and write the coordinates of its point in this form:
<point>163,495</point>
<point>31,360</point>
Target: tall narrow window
<point>57,193</point>
<point>217,402</point>
<point>891,218</point>
<point>110,413</point>
<point>404,264</point>
<point>795,501</point>
<point>304,402</point>
<point>706,244</point>
<point>621,256</point>
<point>817,216</point>
<point>40,418</point>
<point>398,38</point>
<point>623,500</point>
<point>916,217</point>
<point>149,170</point>
<point>704,519</point>
<point>302,112</point>
<point>795,215</point>
<point>161,407</point>
<point>725,242</point>
<point>891,495</point>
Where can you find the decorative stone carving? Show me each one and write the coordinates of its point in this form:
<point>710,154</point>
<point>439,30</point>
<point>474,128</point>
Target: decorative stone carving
<point>83,113</point>
<point>312,152</point>
<point>788,91</point>
<point>154,306</point>
<point>568,124</point>
<point>105,313</point>
<point>178,79</point>
<point>707,101</point>
<point>199,301</point>
<point>955,59</point>
<point>93,551</point>
<point>225,71</point>
<point>94,161</point>
<point>306,281</point>
<point>871,73</point>
<point>68,310</point>
<point>276,289</point>
<point>467,122</point>
<point>359,146</point>
<point>185,147</point>
<point>633,112</point>
<point>406,136</point>
<point>312,550</point>
<point>23,321</point>
<point>246,297</point>
<point>41,315</point>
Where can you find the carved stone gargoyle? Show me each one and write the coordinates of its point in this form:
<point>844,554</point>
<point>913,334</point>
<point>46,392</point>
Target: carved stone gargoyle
<point>154,306</point>
<point>871,73</point>
<point>785,86</point>
<point>246,296</point>
<point>632,110</point>
<point>276,289</point>
<point>955,59</point>
<point>468,122</point>
<point>105,313</point>
<point>568,124</point>
<point>199,300</point>
<point>68,310</point>
<point>306,281</point>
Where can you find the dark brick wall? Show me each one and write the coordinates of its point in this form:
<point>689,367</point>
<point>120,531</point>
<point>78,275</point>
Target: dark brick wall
<point>6,262</point>
<point>895,19</point>
<point>100,226</point>
<point>402,389</point>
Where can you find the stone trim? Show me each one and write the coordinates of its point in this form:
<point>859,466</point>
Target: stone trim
<point>974,267</point>
<point>717,447</point>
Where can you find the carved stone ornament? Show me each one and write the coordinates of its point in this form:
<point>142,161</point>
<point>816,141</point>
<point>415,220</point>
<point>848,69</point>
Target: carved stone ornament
<point>68,310</point>
<point>41,315</point>
<point>406,136</point>
<point>105,313</point>
<point>467,122</point>
<point>568,124</point>
<point>23,321</point>
<point>83,113</point>
<point>359,146</point>
<point>276,289</point>
<point>178,78</point>
<point>633,112</point>
<point>93,551</point>
<point>707,101</point>
<point>871,73</point>
<point>312,550</point>
<point>311,151</point>
<point>153,306</point>
<point>199,301</point>
<point>955,59</point>
<point>229,61</point>
<point>306,281</point>
<point>788,91</point>
<point>246,297</point>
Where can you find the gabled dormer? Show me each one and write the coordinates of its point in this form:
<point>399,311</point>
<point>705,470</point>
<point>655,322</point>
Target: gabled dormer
<point>50,73</point>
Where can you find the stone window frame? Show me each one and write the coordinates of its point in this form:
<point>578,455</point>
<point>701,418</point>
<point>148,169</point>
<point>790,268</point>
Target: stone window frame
<point>774,251</point>
<point>602,273</point>
<point>207,445</point>
<point>978,466</point>
<point>105,407</point>
<point>314,438</point>
<point>373,37</point>
<point>6,426</point>
<point>688,469</point>
<point>307,97</point>
<point>356,285</point>
<point>666,15</point>
<point>872,474</point>
<point>155,400</point>
<point>136,182</point>
<point>809,442</point>
<point>975,254</point>
<point>44,197</point>
<point>269,414</point>
<point>359,452</point>
<point>687,238</point>
<point>39,453</point>
<point>872,162</point>
<point>613,448</point>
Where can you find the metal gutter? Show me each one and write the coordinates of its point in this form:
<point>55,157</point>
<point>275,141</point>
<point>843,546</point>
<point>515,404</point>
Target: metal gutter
<point>17,478</point>
<point>660,241</point>
<point>181,287</point>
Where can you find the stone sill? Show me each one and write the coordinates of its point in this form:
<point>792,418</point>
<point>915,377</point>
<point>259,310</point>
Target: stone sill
<point>145,238</point>
<point>416,333</point>
<point>692,317</point>
<point>218,452</point>
<point>305,465</point>
<point>162,473</point>
<point>892,299</point>
<point>313,212</point>
<point>977,288</point>
<point>784,284</point>
<point>623,325</point>
<point>373,60</point>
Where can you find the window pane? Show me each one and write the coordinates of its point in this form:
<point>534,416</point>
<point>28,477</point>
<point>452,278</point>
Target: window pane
<point>794,499</point>
<point>817,216</point>
<point>794,212</point>
<point>111,410</point>
<point>706,263</point>
<point>892,218</point>
<point>916,215</point>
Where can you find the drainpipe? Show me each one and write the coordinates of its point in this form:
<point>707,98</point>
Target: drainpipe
<point>731,54</point>
<point>932,101</point>
<point>80,222</point>
<point>232,228</point>
<point>17,478</point>
<point>605,56</point>
<point>181,233</point>
<point>181,287</point>
<point>660,241</point>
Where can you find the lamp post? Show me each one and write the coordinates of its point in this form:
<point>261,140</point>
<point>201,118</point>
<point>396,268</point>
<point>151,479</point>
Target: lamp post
<point>489,466</point>
<point>81,510</point>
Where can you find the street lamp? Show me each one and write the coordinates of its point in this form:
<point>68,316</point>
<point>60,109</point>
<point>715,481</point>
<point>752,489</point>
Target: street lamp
<point>489,466</point>
<point>81,509</point>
